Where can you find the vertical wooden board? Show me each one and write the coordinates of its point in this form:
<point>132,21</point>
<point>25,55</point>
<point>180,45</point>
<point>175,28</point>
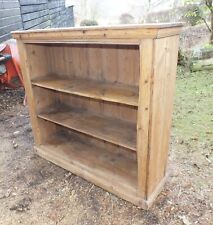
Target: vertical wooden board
<point>47,130</point>
<point>125,76</point>
<point>34,64</point>
<point>110,63</point>
<point>129,113</point>
<point>119,111</point>
<point>49,61</point>
<point>105,145</point>
<point>165,63</point>
<point>129,65</point>
<point>44,98</point>
<point>37,60</point>
<point>71,66</point>
<point>136,66</point>
<point>95,70</point>
<point>66,60</point>
<point>80,57</point>
<point>143,117</point>
<point>26,72</point>
<point>57,55</point>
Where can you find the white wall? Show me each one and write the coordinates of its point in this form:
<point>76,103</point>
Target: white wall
<point>108,11</point>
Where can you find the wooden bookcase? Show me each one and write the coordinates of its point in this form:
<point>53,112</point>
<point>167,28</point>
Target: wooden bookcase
<point>100,101</point>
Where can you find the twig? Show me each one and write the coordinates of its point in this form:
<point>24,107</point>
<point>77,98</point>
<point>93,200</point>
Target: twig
<point>210,30</point>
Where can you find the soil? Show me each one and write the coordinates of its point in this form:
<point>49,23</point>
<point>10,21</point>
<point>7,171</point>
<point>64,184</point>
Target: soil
<point>35,191</point>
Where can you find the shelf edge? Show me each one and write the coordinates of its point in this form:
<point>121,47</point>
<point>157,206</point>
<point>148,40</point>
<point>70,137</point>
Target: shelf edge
<point>128,195</point>
<point>84,95</point>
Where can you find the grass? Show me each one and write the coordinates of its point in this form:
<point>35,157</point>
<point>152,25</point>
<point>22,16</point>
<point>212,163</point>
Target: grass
<point>193,113</point>
<point>208,46</point>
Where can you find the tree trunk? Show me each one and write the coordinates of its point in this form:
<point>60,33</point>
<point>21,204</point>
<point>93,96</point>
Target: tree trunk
<point>211,36</point>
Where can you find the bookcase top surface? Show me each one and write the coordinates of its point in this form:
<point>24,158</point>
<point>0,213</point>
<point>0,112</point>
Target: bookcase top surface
<point>134,31</point>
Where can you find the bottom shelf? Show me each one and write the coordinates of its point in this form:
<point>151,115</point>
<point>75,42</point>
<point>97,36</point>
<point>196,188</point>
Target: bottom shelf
<point>112,171</point>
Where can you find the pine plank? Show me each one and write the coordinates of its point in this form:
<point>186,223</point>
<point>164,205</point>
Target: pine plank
<point>111,171</point>
<point>119,132</point>
<point>113,92</point>
<point>130,32</point>
<point>143,117</point>
<point>94,159</point>
<point>162,107</point>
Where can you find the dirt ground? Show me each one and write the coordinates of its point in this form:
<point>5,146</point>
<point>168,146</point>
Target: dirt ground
<point>34,191</point>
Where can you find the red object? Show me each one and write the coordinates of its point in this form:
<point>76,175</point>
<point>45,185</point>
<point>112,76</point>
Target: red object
<point>13,71</point>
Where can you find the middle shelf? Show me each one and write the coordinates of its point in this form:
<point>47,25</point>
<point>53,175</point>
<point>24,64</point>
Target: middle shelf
<point>116,131</point>
<point>112,92</point>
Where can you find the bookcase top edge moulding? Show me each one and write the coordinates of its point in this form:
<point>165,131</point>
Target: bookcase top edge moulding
<point>100,101</point>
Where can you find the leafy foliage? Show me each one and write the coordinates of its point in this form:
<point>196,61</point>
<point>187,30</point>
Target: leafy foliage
<point>206,7</point>
<point>126,18</point>
<point>88,22</point>
<point>183,60</point>
<point>208,46</point>
<point>193,15</point>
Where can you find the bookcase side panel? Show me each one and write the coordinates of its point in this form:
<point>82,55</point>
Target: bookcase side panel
<point>143,117</point>
<point>29,66</point>
<point>165,64</point>
<point>24,63</point>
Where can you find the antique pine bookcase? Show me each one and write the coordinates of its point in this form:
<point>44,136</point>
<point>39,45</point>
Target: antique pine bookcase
<point>100,101</point>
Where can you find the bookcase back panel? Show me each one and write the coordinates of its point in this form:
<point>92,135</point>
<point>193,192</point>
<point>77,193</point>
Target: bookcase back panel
<point>49,130</point>
<point>101,121</point>
<point>37,60</point>
<point>116,110</point>
<point>111,63</point>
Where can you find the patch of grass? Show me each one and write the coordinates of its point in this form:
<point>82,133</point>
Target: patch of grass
<point>208,46</point>
<point>193,113</point>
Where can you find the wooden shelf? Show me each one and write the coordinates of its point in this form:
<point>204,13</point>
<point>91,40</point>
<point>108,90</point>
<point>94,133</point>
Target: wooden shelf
<point>112,130</point>
<point>106,169</point>
<point>112,92</point>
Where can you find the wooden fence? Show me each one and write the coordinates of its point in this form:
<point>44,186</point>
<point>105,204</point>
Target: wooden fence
<point>33,14</point>
<point>10,18</point>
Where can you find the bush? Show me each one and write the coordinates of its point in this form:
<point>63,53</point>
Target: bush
<point>126,18</point>
<point>88,23</point>
<point>192,15</point>
<point>183,60</point>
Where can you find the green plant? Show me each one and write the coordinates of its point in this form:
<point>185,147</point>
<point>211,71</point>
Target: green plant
<point>193,15</point>
<point>126,18</point>
<point>208,46</point>
<point>182,58</point>
<point>206,10</point>
<point>88,22</point>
